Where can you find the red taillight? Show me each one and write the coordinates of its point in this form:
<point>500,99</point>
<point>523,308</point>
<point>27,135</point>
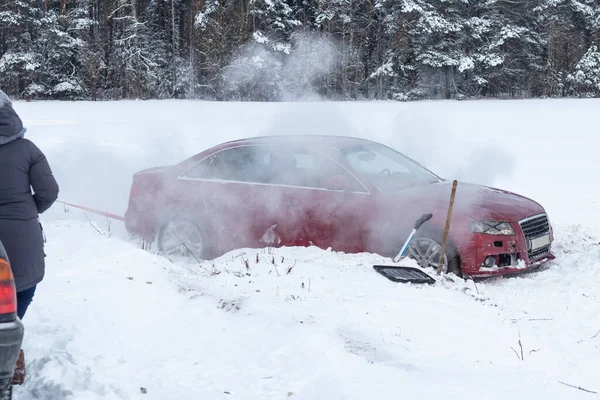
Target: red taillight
<point>8,292</point>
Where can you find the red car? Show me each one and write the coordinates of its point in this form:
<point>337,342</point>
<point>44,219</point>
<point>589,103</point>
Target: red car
<point>353,195</point>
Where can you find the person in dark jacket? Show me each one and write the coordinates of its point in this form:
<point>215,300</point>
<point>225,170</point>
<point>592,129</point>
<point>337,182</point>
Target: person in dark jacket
<point>23,167</point>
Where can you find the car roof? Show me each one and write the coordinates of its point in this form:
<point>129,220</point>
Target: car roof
<point>311,142</point>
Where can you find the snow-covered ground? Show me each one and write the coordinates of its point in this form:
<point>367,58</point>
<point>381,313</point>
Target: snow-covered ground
<point>111,318</point>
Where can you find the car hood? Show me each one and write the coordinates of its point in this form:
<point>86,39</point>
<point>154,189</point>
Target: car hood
<point>475,201</point>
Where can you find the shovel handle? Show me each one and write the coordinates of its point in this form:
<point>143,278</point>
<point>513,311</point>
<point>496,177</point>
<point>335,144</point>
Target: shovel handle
<point>424,218</point>
<point>447,228</point>
<point>405,246</point>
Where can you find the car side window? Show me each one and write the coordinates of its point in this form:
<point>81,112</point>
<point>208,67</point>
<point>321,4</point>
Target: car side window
<point>242,164</point>
<point>374,163</point>
<point>197,170</point>
<point>276,165</point>
<point>299,167</point>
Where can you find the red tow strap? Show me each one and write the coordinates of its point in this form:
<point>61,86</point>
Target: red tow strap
<point>103,213</point>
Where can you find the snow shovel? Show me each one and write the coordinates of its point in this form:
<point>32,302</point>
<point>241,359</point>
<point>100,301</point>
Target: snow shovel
<point>424,218</point>
<point>406,274</point>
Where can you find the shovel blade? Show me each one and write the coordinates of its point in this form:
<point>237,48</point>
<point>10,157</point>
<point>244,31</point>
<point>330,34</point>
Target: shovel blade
<point>403,274</point>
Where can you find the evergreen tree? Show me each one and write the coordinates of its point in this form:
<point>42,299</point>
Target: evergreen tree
<point>587,73</point>
<point>61,76</point>
<point>288,49</point>
<point>21,65</point>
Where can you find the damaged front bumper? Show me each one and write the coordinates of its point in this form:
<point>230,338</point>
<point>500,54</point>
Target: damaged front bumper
<point>503,255</point>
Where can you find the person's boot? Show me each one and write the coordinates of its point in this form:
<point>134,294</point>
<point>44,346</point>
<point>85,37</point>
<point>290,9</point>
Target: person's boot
<point>19,376</point>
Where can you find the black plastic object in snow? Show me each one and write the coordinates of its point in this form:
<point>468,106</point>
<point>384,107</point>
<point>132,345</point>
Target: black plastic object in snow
<point>404,274</point>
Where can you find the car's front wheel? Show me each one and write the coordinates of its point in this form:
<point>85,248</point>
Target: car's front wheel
<point>425,250</point>
<point>183,238</point>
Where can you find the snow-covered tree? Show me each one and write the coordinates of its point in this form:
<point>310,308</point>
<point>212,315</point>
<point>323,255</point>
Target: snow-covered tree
<point>61,75</point>
<point>279,49</point>
<point>84,27</point>
<point>587,73</point>
<point>439,42</point>
<point>138,61</point>
<point>569,27</point>
<point>256,70</point>
<point>21,64</point>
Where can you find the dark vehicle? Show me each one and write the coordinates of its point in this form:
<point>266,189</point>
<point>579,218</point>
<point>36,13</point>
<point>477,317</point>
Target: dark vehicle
<point>353,195</point>
<point>11,328</point>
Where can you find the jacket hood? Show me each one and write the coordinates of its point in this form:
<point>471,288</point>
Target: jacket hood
<point>11,126</point>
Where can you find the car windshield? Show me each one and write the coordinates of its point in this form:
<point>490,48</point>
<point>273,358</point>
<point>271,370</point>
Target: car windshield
<point>385,168</point>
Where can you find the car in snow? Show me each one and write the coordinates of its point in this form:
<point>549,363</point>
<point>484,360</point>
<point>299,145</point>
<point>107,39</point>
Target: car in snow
<point>348,194</point>
<point>11,328</point>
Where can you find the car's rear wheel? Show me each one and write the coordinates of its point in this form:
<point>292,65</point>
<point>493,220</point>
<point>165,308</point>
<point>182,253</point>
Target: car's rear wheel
<point>183,238</point>
<point>425,250</point>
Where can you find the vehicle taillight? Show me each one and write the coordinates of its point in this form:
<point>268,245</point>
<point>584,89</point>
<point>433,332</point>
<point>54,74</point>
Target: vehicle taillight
<point>8,292</point>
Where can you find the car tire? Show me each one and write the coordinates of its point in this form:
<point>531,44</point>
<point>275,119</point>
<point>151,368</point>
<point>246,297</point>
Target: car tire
<point>425,248</point>
<point>192,237</point>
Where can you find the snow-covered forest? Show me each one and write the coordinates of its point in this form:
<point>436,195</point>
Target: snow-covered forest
<point>269,50</point>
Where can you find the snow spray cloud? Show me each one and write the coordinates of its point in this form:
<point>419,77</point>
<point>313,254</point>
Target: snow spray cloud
<point>94,167</point>
<point>434,135</point>
<point>427,134</point>
<point>309,118</point>
<point>281,71</point>
<point>312,58</point>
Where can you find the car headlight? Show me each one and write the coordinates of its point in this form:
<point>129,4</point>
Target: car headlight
<point>492,227</point>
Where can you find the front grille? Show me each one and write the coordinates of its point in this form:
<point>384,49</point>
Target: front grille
<point>535,227</point>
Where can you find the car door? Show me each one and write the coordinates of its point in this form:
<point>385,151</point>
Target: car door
<point>282,204</point>
<point>224,193</point>
<point>312,200</point>
<point>399,195</point>
<point>339,206</point>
